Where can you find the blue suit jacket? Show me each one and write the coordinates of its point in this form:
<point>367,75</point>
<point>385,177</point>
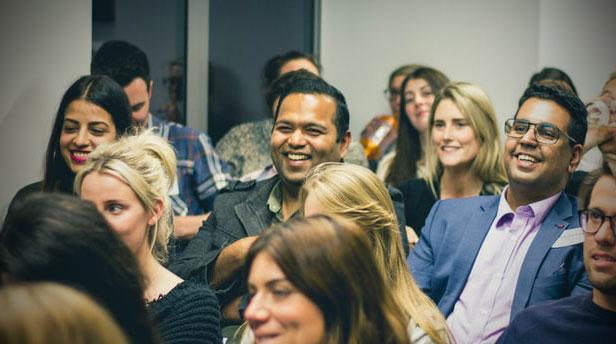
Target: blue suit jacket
<point>454,231</point>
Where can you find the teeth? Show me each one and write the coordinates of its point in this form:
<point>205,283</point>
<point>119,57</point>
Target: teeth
<point>293,156</point>
<point>80,154</point>
<point>525,157</point>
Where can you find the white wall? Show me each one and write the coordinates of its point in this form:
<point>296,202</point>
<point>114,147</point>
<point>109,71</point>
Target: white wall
<point>45,46</point>
<point>497,44</point>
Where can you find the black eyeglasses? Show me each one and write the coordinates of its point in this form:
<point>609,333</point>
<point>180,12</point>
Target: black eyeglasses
<point>391,93</point>
<point>592,219</point>
<point>544,132</point>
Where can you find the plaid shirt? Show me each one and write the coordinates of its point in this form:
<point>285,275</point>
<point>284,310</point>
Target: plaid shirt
<point>201,174</point>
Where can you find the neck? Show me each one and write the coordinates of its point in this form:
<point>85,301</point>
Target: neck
<point>458,183</point>
<point>603,300</point>
<point>290,200</point>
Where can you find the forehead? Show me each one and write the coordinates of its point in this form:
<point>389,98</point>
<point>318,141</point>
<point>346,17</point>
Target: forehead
<point>537,110</point>
<point>136,90</point>
<point>301,108</point>
<point>416,85</point>
<point>448,109</point>
<point>610,88</point>
<point>84,111</point>
<point>100,185</point>
<point>397,81</point>
<point>298,64</point>
<point>603,194</point>
<point>264,269</point>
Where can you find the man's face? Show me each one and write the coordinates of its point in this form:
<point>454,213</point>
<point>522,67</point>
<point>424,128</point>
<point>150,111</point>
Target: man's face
<point>600,248</point>
<point>304,135</point>
<point>139,99</point>
<point>536,166</point>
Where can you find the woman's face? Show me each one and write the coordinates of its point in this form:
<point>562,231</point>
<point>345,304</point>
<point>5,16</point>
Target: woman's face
<point>85,126</point>
<point>278,312</point>
<point>453,137</point>
<point>419,97</point>
<point>119,205</point>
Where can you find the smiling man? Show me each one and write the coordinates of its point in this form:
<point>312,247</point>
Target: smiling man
<point>484,259</point>
<point>311,126</point>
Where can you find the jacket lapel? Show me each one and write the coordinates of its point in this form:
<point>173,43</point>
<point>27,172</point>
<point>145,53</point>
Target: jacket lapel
<point>253,213</point>
<point>555,222</point>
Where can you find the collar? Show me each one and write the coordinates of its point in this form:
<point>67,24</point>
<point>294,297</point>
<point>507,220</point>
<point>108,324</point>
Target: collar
<point>274,201</point>
<point>537,210</point>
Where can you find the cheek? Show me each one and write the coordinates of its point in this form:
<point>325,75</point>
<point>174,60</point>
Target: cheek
<point>65,139</point>
<point>99,140</point>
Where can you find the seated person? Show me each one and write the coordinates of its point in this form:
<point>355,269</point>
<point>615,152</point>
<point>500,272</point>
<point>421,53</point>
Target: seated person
<point>589,318</point>
<point>465,152</point>
<point>93,110</point>
<point>201,174</point>
<point>484,259</point>
<point>315,280</point>
<point>408,159</point>
<point>59,238</point>
<point>128,182</point>
<point>357,194</point>
<point>51,313</point>
<point>380,134</point>
<point>246,147</point>
<point>311,126</point>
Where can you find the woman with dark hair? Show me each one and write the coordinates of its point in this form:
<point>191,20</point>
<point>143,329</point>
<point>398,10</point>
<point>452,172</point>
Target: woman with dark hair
<point>60,238</point>
<point>314,280</point>
<point>94,110</point>
<point>418,92</point>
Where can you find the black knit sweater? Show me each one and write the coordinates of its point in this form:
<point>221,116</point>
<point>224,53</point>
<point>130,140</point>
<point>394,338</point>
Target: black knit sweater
<point>187,314</point>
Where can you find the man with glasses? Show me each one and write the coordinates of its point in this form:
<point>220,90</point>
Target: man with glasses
<point>484,259</point>
<point>589,318</point>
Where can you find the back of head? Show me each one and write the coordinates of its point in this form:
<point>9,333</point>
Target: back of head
<point>551,73</point>
<point>327,259</point>
<point>271,69</point>
<point>479,111</point>
<point>56,237</point>
<point>146,163</point>
<point>570,102</point>
<point>318,86</point>
<point>37,313</point>
<point>122,61</point>
<point>99,90</point>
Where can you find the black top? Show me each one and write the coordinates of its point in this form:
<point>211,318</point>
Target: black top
<point>419,199</point>
<point>187,314</point>
<point>574,319</point>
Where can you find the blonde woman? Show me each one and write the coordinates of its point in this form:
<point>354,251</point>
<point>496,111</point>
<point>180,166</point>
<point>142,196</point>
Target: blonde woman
<point>128,182</point>
<point>50,313</point>
<point>357,194</point>
<point>465,152</point>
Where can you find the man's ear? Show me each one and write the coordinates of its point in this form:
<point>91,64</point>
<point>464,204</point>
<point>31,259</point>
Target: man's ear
<point>345,142</point>
<point>150,89</point>
<point>157,212</point>
<point>576,156</point>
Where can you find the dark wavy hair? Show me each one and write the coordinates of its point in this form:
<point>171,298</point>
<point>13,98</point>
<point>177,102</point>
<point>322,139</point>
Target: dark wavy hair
<point>551,73</point>
<point>578,124</point>
<point>408,146</point>
<point>61,238</point>
<point>122,61</point>
<point>96,89</point>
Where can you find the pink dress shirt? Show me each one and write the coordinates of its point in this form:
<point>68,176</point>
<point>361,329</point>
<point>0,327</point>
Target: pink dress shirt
<point>482,312</point>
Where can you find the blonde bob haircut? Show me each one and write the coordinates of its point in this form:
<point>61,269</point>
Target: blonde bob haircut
<point>357,194</point>
<point>146,163</point>
<point>478,110</point>
<point>51,313</point>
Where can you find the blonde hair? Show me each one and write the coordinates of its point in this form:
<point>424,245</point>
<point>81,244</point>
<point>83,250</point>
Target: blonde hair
<point>52,313</point>
<point>146,163</point>
<point>355,193</point>
<point>478,110</point>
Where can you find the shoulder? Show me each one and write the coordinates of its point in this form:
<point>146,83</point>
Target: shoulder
<point>414,185</point>
<point>237,191</point>
<point>464,204</point>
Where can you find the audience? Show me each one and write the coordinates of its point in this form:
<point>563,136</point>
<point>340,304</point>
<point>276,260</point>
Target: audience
<point>314,280</point>
<point>380,134</point>
<point>464,152</point>
<point>484,259</point>
<point>408,160</point>
<point>128,182</point>
<point>59,238</point>
<point>246,147</point>
<point>200,172</point>
<point>355,193</point>
<point>94,110</point>
<point>311,126</point>
<point>49,313</point>
<point>589,318</point>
